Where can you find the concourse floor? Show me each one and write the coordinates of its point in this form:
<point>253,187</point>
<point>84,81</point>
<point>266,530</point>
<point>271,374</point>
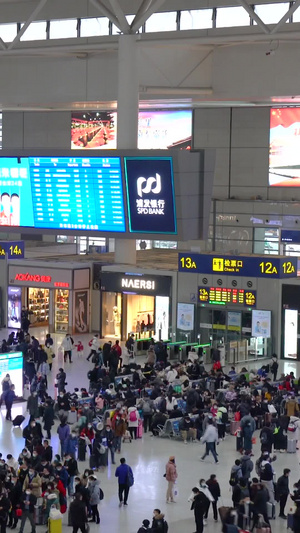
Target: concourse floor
<point>147,457</point>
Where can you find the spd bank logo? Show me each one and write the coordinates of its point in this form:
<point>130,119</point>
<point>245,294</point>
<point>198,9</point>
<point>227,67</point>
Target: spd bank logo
<point>149,186</point>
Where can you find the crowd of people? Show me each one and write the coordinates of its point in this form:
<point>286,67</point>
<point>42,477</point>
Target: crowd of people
<point>124,400</point>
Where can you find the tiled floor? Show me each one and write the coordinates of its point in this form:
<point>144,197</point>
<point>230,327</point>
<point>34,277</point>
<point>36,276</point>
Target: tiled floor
<point>147,458</point>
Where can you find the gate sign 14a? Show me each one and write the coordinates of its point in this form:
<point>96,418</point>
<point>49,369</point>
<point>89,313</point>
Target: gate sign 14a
<point>255,267</point>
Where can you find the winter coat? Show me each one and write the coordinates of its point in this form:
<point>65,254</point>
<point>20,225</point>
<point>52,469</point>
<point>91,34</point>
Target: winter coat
<point>133,423</point>
<point>36,483</point>
<point>247,466</point>
<point>94,488</point>
<point>48,417</point>
<point>214,488</point>
<point>292,407</point>
<point>211,434</point>
<point>158,523</point>
<point>171,472</point>
<point>283,486</point>
<point>63,432</point>
<point>33,406</point>
<point>71,445</point>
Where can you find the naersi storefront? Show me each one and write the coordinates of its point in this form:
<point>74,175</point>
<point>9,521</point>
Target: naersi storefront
<point>135,302</point>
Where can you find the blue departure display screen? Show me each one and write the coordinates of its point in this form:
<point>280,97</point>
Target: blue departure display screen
<point>62,193</point>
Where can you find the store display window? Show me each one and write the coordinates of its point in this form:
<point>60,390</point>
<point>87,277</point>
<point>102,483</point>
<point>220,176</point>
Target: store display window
<point>140,315</point>
<point>61,310</point>
<point>111,314</point>
<point>38,305</point>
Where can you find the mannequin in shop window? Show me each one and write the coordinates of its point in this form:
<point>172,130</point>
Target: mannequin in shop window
<point>116,320</point>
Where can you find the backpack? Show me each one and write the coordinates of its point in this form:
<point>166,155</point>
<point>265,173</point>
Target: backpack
<point>224,417</point>
<point>130,478</point>
<point>147,410</point>
<point>292,427</point>
<point>264,438</point>
<point>233,478</point>
<point>257,466</point>
<point>132,416</point>
<point>165,526</point>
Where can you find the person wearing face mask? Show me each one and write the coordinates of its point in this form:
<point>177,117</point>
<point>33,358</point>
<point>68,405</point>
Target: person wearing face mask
<point>202,487</point>
<point>67,345</point>
<point>83,491</point>
<point>63,431</point>
<point>4,509</point>
<point>14,495</point>
<point>63,475</point>
<point>35,460</point>
<point>89,434</point>
<point>48,418</point>
<point>34,480</point>
<point>71,467</point>
<point>108,434</point>
<point>71,444</point>
<point>61,380</point>
<point>63,405</point>
<point>94,489</point>
<point>9,399</point>
<point>28,501</point>
<point>33,405</point>
<point>12,462</point>
<point>47,452</point>
<point>199,506</point>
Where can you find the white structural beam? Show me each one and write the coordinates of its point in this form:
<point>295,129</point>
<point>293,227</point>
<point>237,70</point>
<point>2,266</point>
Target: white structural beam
<point>145,14</point>
<point>286,16</point>
<point>106,12</point>
<point>253,15</point>
<point>30,19</point>
<point>123,24</point>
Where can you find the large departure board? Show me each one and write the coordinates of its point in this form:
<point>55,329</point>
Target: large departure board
<point>62,193</point>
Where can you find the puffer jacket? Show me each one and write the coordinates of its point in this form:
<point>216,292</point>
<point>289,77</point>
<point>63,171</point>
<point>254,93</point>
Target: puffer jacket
<point>158,523</point>
<point>171,472</point>
<point>94,488</point>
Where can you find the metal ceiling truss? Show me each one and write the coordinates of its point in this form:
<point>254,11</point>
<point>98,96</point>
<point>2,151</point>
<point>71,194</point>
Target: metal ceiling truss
<point>113,10</point>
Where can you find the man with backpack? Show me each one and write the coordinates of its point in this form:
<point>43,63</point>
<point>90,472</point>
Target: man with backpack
<point>95,345</point>
<point>247,465</point>
<point>222,420</point>
<point>236,473</point>
<point>158,522</point>
<point>266,438</point>
<point>267,475</point>
<point>125,479</point>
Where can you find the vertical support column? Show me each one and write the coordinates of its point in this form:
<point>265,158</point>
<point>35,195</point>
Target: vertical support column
<point>128,114</point>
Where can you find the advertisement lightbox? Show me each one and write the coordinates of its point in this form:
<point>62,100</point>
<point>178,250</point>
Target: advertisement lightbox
<point>150,194</point>
<point>284,167</point>
<point>261,323</point>
<point>185,316</point>
<point>290,333</point>
<point>12,364</point>
<point>161,130</point>
<point>162,317</point>
<point>14,307</point>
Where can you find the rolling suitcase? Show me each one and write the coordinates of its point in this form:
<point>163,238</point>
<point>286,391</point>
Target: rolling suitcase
<point>18,420</point>
<point>271,510</point>
<point>239,443</point>
<point>38,515</point>
<point>291,446</point>
<point>55,526</point>
<point>103,458</point>
<point>290,521</point>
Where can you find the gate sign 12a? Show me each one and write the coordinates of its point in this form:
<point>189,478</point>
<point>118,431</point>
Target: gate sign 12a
<point>254,267</point>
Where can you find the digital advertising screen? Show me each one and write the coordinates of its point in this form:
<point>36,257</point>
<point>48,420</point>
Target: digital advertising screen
<point>290,333</point>
<point>150,194</point>
<point>14,307</point>
<point>62,193</point>
<point>12,364</point>
<point>284,164</point>
<point>156,130</point>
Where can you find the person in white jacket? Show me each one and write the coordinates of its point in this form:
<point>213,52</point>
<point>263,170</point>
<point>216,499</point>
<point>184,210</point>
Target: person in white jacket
<point>210,438</point>
<point>12,462</point>
<point>67,345</point>
<point>133,421</point>
<point>203,488</point>
<point>94,346</point>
